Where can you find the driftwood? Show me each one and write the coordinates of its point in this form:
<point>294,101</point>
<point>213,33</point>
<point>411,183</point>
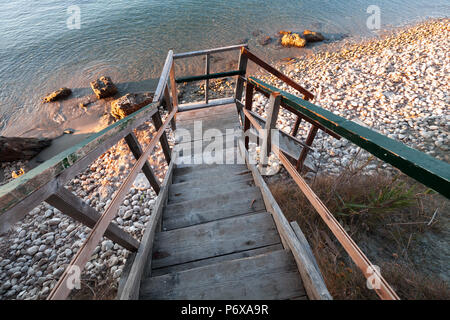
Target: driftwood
<point>13,149</point>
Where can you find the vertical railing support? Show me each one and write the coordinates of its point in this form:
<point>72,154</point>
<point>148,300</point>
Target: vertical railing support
<point>248,105</point>
<point>309,140</point>
<point>271,122</point>
<point>173,86</point>
<point>169,106</point>
<point>240,81</point>
<point>296,126</point>
<point>163,140</point>
<point>207,81</point>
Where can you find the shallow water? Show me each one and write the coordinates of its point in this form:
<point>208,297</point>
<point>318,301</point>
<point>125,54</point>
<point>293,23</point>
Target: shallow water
<point>128,40</point>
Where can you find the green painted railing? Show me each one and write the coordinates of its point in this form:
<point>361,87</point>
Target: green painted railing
<point>430,171</point>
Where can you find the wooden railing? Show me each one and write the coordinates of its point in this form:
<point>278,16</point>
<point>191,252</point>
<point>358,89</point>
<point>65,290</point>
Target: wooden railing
<point>430,171</point>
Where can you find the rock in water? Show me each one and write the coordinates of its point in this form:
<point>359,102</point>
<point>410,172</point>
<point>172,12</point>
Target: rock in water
<point>103,87</point>
<point>57,95</point>
<point>312,36</point>
<point>130,103</point>
<point>293,40</point>
<point>13,149</point>
<point>265,41</point>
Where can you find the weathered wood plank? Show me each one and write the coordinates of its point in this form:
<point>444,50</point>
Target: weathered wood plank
<point>214,260</point>
<point>315,289</point>
<point>162,83</point>
<point>308,95</point>
<point>272,116</point>
<point>206,210</point>
<point>169,106</point>
<point>243,60</point>
<point>358,257</point>
<point>210,181</point>
<point>136,149</point>
<point>157,121</point>
<point>210,113</point>
<point>210,51</point>
<point>131,287</point>
<point>213,239</point>
<point>72,206</point>
<point>21,195</point>
<point>430,171</point>
<point>212,103</point>
<point>61,290</point>
<point>271,275</point>
<point>194,193</point>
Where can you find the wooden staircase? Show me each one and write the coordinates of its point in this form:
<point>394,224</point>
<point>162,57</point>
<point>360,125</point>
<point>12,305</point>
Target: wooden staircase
<point>217,241</point>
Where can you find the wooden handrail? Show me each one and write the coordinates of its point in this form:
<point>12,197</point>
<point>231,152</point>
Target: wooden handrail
<point>62,290</point>
<point>210,51</point>
<point>384,290</point>
<point>430,171</point>
<point>308,95</point>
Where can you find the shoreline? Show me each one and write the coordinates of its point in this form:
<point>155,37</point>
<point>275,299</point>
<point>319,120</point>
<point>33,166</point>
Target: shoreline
<point>54,238</point>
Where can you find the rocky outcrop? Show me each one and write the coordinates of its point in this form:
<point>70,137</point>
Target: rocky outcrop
<point>103,87</point>
<point>312,36</point>
<point>57,95</point>
<point>130,103</point>
<point>265,40</point>
<point>293,40</point>
<point>13,149</point>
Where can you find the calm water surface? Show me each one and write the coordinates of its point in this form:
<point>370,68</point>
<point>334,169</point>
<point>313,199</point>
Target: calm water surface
<point>128,40</point>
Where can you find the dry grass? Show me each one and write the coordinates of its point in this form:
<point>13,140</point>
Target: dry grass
<point>391,211</point>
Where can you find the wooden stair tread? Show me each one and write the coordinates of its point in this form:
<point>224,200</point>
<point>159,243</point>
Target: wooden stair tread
<point>272,275</point>
<point>191,193</point>
<point>210,203</point>
<point>214,238</point>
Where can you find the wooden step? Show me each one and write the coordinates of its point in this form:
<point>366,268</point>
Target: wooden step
<point>214,260</point>
<point>210,174</point>
<point>214,239</point>
<point>182,219</point>
<point>272,275</point>
<point>199,182</point>
<point>177,194</point>
<point>223,201</point>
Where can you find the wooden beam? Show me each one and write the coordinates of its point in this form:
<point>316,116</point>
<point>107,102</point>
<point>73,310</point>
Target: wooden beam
<point>315,288</point>
<point>308,95</point>
<point>209,76</point>
<point>173,86</point>
<point>210,51</point>
<point>169,106</point>
<point>70,205</point>
<point>143,257</point>
<point>21,195</point>
<point>208,58</point>
<point>309,140</point>
<point>430,171</point>
<point>212,103</point>
<point>136,149</point>
<point>248,107</point>
<point>164,142</point>
<point>163,78</point>
<point>272,116</point>
<point>363,263</point>
<point>240,81</point>
<point>296,126</point>
<point>61,290</point>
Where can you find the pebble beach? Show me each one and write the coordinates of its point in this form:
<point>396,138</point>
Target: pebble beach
<point>397,84</point>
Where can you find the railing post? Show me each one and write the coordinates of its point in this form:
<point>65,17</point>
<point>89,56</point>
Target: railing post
<point>163,140</point>
<point>173,86</point>
<point>169,106</point>
<point>240,82</point>
<point>272,116</point>
<point>207,81</point>
<point>309,140</point>
<point>136,149</point>
<point>296,126</point>
<point>248,105</point>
